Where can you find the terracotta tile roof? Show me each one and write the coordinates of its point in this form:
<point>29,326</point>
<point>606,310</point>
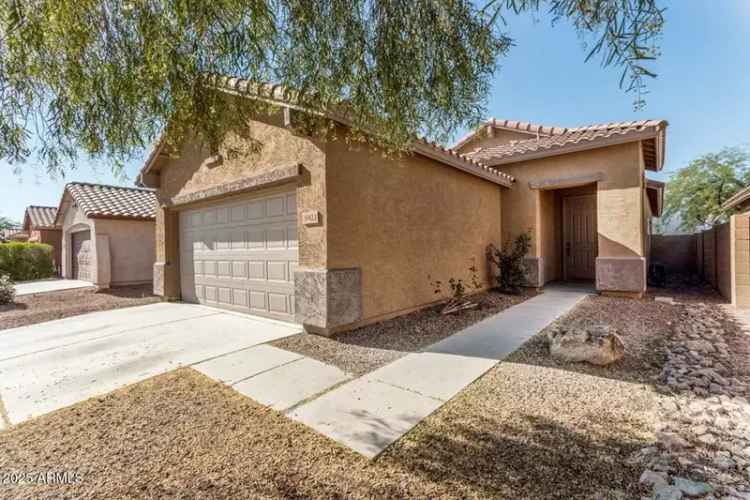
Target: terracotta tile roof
<point>531,129</point>
<point>39,217</point>
<point>564,140</point>
<point>278,94</point>
<point>113,202</point>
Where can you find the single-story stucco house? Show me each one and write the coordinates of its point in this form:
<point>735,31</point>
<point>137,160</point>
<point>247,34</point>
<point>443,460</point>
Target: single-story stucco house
<point>107,234</point>
<point>334,234</point>
<point>39,224</point>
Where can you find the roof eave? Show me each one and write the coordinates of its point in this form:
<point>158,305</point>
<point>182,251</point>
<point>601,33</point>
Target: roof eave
<point>739,198</point>
<point>574,148</point>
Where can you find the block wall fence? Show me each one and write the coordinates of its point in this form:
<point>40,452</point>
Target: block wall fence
<point>720,256</point>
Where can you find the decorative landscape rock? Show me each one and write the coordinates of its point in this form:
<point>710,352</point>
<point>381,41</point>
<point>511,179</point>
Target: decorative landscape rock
<point>703,430</point>
<point>598,345</point>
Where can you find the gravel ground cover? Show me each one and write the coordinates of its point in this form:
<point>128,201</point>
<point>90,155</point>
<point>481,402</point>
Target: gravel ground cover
<point>643,325</point>
<point>529,428</point>
<point>703,443</point>
<point>365,349</point>
<point>37,308</point>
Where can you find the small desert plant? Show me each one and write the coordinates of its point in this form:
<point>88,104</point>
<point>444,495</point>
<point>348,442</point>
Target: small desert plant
<point>511,270</point>
<point>459,288</point>
<point>7,290</point>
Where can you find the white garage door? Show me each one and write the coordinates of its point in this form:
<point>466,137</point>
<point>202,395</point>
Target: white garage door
<point>242,255</point>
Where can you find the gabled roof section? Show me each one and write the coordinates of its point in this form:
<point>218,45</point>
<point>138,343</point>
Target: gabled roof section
<point>279,95</point>
<point>553,141</point>
<point>101,201</point>
<point>38,217</point>
<point>531,129</point>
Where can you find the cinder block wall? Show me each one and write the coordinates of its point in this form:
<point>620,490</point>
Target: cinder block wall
<point>722,257</point>
<point>742,260</point>
<point>678,253</point>
<point>709,248</point>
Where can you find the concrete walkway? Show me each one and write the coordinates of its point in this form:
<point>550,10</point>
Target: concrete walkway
<point>51,285</point>
<point>371,412</point>
<point>272,376</point>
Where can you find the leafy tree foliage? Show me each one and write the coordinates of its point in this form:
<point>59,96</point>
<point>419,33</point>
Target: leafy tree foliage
<point>106,77</point>
<point>6,223</point>
<point>696,192</point>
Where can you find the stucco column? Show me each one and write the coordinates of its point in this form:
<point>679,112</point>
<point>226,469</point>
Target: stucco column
<point>621,264</point>
<point>167,264</point>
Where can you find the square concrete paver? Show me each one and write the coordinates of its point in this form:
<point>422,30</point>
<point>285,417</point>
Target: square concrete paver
<point>366,415</point>
<point>289,384</point>
<point>439,376</point>
<point>237,366</point>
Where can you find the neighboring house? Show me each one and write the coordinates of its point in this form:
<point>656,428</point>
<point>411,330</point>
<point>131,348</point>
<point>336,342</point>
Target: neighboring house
<point>583,195</point>
<point>107,234</point>
<point>39,224</point>
<point>334,235</point>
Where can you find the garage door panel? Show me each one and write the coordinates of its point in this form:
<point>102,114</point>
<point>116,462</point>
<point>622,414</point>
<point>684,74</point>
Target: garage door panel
<point>242,255</point>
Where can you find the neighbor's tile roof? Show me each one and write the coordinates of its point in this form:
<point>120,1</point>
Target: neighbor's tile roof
<point>102,201</point>
<point>562,138</point>
<point>40,217</point>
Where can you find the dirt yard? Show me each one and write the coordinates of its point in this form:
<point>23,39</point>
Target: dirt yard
<point>40,307</point>
<point>530,428</point>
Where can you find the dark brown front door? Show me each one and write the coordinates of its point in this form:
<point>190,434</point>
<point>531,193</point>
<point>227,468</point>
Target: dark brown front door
<point>81,255</point>
<point>579,237</point>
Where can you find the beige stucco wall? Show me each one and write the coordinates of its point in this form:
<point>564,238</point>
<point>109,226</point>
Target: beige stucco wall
<point>131,248</point>
<point>404,219</point>
<point>276,147</point>
<point>619,196</point>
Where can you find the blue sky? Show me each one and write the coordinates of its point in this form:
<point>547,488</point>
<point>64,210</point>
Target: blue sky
<point>703,90</point>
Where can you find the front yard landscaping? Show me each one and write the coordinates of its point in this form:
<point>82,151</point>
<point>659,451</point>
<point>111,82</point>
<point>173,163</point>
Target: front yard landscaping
<point>37,308</point>
<point>370,347</point>
<point>532,427</point>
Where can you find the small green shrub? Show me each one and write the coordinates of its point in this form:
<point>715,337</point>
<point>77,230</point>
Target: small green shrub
<point>511,275</point>
<point>7,290</point>
<point>26,261</point>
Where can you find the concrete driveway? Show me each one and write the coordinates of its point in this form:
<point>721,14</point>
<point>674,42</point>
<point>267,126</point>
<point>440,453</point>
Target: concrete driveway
<point>51,285</point>
<point>51,365</point>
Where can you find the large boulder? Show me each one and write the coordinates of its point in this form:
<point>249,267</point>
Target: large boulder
<point>598,344</point>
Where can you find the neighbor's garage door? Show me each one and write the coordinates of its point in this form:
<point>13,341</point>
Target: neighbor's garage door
<point>81,255</point>
<point>242,255</point>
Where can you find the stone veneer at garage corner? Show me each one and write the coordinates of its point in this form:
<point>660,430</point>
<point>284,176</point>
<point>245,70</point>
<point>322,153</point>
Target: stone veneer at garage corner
<point>327,299</point>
